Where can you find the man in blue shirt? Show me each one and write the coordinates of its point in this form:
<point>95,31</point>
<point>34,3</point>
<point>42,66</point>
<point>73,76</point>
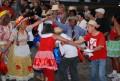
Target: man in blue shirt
<point>71,28</point>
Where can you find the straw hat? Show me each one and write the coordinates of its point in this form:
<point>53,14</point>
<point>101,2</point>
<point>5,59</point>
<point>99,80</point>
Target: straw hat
<point>57,30</point>
<point>93,23</point>
<point>19,20</point>
<point>72,8</point>
<point>3,13</point>
<point>72,18</point>
<point>55,7</point>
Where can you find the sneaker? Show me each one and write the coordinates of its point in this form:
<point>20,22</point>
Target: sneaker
<point>116,79</point>
<point>112,75</point>
<point>69,77</point>
<point>3,78</point>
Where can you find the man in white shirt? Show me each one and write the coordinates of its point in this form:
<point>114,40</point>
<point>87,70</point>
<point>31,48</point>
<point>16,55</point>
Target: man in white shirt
<point>81,21</point>
<point>70,59</point>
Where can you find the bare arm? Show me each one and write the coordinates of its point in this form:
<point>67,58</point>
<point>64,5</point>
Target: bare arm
<point>38,22</point>
<point>79,41</point>
<point>106,33</point>
<point>57,37</point>
<point>97,48</point>
<point>7,46</point>
<point>38,44</point>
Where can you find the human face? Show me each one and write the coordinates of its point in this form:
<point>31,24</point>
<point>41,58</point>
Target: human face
<point>85,8</point>
<point>113,19</point>
<point>7,3</point>
<point>97,14</point>
<point>71,14</point>
<point>89,28</point>
<point>80,18</point>
<point>55,12</point>
<point>7,18</point>
<point>15,2</point>
<point>23,25</point>
<point>72,22</point>
<point>35,3</point>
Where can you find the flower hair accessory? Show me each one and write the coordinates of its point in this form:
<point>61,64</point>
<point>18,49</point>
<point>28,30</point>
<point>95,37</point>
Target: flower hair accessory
<point>19,20</point>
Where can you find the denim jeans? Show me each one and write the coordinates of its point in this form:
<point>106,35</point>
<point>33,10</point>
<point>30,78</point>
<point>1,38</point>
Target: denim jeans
<point>98,67</point>
<point>72,64</point>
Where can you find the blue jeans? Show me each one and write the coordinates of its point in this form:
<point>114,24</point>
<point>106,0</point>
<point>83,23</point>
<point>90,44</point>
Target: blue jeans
<point>98,67</point>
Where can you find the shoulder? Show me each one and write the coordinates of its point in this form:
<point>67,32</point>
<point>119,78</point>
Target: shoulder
<point>100,33</point>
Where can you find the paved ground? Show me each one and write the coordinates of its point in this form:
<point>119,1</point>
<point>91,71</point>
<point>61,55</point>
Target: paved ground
<point>83,72</point>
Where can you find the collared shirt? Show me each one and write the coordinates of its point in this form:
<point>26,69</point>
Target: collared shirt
<point>82,24</point>
<point>68,50</point>
<point>67,29</point>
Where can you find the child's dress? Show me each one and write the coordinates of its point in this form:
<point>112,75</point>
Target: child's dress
<point>19,63</point>
<point>44,57</point>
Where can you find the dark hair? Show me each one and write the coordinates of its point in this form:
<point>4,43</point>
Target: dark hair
<point>47,5</point>
<point>74,11</point>
<point>81,14</point>
<point>117,17</point>
<point>25,0</point>
<point>47,28</point>
<point>92,12</point>
<point>34,32</point>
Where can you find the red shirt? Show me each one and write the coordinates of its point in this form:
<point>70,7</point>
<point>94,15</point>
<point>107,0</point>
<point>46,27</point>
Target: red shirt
<point>47,44</point>
<point>95,41</point>
<point>113,33</point>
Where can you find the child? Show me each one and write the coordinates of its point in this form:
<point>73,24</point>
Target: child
<point>97,46</point>
<point>44,58</point>
<point>34,49</point>
<point>69,60</point>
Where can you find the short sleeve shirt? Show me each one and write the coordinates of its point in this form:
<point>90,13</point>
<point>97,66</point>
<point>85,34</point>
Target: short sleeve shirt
<point>95,41</point>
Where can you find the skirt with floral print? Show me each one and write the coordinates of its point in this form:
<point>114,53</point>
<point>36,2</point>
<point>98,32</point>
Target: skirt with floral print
<point>113,48</point>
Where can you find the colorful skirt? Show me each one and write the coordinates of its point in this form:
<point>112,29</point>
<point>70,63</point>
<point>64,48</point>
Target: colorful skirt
<point>19,68</point>
<point>45,59</point>
<point>113,48</point>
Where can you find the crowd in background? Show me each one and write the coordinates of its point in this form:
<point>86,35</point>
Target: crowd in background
<point>30,30</point>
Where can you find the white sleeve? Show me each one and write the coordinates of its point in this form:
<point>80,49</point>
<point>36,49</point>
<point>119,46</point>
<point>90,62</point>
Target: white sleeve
<point>61,49</point>
<point>40,28</point>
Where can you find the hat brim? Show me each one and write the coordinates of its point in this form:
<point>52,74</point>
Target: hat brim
<point>72,18</point>
<point>95,25</point>
<point>54,9</point>
<point>58,30</point>
<point>25,19</point>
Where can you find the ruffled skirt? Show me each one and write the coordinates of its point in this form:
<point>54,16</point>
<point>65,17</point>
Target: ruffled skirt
<point>44,59</point>
<point>113,48</point>
<point>19,67</point>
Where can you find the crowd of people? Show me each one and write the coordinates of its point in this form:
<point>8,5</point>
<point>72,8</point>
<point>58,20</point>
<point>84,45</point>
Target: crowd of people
<point>45,37</point>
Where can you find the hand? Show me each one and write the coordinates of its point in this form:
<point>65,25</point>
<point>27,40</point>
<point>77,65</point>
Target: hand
<point>81,48</point>
<point>83,62</point>
<point>50,18</point>
<point>88,50</point>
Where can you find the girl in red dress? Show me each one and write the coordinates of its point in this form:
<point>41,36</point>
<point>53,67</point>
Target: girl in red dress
<point>44,58</point>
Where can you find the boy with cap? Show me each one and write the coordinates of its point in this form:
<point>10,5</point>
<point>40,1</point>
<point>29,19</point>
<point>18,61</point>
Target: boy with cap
<point>96,46</point>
